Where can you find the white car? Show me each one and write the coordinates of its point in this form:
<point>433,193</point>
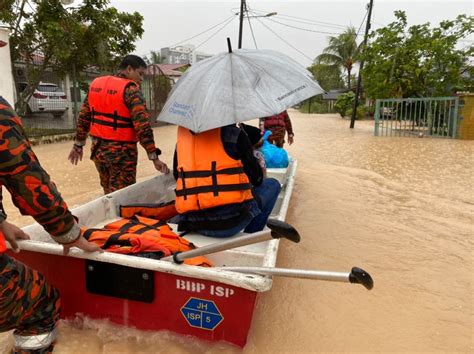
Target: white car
<point>48,98</point>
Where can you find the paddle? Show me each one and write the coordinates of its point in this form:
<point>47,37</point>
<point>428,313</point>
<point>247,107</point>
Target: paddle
<point>356,276</point>
<point>278,229</point>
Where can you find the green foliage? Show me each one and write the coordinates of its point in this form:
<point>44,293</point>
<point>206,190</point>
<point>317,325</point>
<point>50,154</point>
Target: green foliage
<point>360,114</point>
<point>344,102</point>
<point>317,106</point>
<point>328,76</point>
<point>418,61</point>
<point>90,34</point>
<point>370,111</point>
<point>341,52</point>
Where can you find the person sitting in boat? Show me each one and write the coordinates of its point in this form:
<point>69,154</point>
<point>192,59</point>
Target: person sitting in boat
<point>28,304</point>
<point>220,188</point>
<point>256,139</point>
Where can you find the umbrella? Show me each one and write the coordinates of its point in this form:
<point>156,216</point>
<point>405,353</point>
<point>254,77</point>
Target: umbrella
<point>237,86</point>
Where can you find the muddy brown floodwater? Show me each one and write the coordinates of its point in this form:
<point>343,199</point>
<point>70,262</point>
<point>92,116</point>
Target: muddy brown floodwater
<point>401,208</point>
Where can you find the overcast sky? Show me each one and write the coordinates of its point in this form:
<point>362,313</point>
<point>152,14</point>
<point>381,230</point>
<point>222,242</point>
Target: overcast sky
<point>167,23</point>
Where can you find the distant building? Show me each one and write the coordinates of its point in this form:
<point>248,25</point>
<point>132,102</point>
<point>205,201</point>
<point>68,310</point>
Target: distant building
<point>172,71</point>
<point>332,95</point>
<point>183,54</point>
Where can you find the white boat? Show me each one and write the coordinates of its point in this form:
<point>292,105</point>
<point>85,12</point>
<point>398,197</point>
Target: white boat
<point>211,303</point>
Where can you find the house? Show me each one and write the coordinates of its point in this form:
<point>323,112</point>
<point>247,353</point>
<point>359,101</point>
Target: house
<point>332,95</point>
<point>172,71</point>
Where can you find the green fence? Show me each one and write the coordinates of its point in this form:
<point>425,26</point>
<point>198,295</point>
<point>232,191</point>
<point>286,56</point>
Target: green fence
<point>432,116</point>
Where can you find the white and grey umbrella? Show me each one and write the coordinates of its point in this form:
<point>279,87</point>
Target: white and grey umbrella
<point>237,86</point>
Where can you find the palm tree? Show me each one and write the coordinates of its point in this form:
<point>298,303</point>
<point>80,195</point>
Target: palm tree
<point>341,52</point>
<point>154,58</point>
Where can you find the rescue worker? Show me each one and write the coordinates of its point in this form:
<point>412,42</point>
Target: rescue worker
<point>28,304</point>
<point>114,114</point>
<point>279,124</point>
<point>220,189</point>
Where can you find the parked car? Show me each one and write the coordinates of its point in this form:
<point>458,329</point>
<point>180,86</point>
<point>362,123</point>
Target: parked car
<point>48,97</point>
<point>388,112</point>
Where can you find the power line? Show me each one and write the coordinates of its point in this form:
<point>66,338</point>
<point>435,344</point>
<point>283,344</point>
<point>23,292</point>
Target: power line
<point>251,30</point>
<point>212,35</point>
<point>363,20</point>
<point>289,44</point>
<point>303,29</point>
<point>308,21</point>
<point>283,18</point>
<point>207,30</point>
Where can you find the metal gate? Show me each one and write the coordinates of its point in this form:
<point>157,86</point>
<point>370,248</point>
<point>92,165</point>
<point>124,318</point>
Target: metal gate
<point>417,117</point>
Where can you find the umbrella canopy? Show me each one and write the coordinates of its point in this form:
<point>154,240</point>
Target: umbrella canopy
<point>237,86</point>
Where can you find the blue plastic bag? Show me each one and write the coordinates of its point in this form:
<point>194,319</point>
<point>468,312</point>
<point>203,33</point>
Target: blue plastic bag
<point>275,157</point>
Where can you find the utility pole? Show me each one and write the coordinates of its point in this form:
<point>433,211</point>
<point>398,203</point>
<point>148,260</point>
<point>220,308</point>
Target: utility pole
<point>241,20</point>
<point>361,66</point>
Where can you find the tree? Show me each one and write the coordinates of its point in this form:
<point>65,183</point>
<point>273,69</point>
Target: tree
<point>91,34</point>
<point>154,58</point>
<point>418,61</point>
<point>344,103</point>
<point>328,76</point>
<point>341,52</point>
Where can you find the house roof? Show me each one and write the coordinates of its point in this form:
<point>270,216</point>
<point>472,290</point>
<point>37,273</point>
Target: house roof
<point>166,69</point>
<point>333,94</point>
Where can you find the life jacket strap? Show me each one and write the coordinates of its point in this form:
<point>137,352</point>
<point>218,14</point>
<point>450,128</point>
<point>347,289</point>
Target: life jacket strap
<point>213,188</point>
<point>115,124</point>
<point>145,227</point>
<point>209,173</point>
<point>183,181</point>
<point>114,116</point>
<point>114,239</point>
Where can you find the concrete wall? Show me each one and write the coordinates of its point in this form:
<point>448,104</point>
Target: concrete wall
<point>466,116</point>
<point>6,78</point>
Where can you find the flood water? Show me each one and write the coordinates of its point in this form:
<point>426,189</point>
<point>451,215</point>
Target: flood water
<point>401,208</point>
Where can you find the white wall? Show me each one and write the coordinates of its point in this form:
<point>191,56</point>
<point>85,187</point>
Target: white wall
<point>6,78</point>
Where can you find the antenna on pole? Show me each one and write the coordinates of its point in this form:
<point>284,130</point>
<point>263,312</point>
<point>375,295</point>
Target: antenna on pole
<point>361,66</point>
<point>241,21</point>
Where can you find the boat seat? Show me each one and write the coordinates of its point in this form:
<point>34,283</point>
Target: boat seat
<point>200,240</point>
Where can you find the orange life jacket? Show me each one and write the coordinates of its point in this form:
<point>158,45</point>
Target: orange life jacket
<point>207,176</point>
<point>111,119</point>
<point>277,120</point>
<point>140,234</point>
<point>163,211</point>
<point>3,245</point>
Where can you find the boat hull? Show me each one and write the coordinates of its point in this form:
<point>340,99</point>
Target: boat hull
<point>209,310</point>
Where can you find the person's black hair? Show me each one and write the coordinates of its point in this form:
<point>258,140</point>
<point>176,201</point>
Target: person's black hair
<point>134,61</point>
